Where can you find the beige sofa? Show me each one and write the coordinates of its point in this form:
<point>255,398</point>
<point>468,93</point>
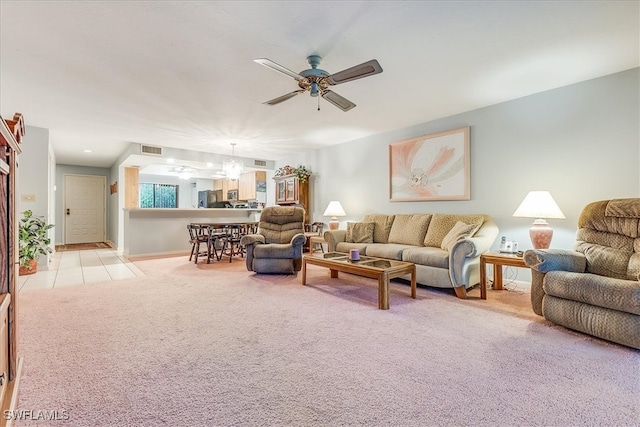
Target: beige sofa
<point>445,248</point>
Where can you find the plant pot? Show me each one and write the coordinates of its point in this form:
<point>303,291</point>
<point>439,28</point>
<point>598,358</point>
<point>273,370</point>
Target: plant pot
<point>33,267</point>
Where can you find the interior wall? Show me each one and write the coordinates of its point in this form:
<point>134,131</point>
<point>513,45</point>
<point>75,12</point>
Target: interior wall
<point>61,171</point>
<point>34,182</point>
<point>581,142</point>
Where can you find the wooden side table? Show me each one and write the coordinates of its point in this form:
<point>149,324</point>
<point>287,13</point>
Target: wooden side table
<point>314,242</point>
<point>498,260</point>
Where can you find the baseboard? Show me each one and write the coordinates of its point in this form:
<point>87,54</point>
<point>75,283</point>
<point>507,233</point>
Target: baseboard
<point>143,257</point>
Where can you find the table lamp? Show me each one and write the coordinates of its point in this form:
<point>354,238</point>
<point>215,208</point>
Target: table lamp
<point>334,210</point>
<point>539,205</point>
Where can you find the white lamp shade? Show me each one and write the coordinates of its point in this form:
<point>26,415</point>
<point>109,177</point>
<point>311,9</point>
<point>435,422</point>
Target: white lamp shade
<point>539,204</point>
<point>334,209</point>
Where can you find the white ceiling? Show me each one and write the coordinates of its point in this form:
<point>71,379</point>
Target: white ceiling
<point>103,74</point>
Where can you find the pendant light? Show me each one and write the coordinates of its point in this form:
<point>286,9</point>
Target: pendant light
<point>232,168</point>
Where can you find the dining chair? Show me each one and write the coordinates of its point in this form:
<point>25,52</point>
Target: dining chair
<point>217,241</point>
<point>198,235</point>
<point>231,247</point>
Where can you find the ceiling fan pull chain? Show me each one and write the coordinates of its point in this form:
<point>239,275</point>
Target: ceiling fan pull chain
<point>318,103</point>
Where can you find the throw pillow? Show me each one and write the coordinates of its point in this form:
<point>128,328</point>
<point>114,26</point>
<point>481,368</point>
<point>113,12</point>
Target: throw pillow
<point>409,229</point>
<point>458,232</point>
<point>360,232</point>
<point>382,228</point>
<point>442,223</point>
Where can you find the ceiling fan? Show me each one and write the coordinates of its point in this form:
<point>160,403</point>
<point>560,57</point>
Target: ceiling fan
<point>316,81</point>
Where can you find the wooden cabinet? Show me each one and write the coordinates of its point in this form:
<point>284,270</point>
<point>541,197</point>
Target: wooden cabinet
<point>225,185</point>
<point>248,184</point>
<point>4,344</point>
<point>11,133</point>
<point>290,191</point>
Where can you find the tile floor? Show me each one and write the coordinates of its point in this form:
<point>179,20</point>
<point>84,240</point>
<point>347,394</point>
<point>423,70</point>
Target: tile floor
<point>74,268</point>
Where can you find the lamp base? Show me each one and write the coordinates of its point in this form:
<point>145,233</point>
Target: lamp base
<point>334,224</point>
<point>540,234</point>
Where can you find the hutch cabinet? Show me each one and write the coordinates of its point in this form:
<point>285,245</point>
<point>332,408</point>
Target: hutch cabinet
<point>290,191</point>
<point>11,133</point>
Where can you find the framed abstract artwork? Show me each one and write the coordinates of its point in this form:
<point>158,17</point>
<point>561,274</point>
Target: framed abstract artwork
<point>430,167</point>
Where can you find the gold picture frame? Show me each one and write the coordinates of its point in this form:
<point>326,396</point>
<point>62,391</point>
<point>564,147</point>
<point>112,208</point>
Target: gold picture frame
<point>430,167</point>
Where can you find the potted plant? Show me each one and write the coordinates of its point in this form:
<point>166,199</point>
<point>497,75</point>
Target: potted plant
<point>301,172</point>
<point>33,241</point>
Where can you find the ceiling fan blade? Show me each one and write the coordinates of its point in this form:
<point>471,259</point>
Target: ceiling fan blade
<point>339,101</point>
<point>284,97</point>
<point>365,69</point>
<point>279,68</point>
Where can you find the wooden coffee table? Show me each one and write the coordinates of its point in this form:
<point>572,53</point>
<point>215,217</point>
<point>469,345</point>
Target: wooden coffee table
<point>376,268</point>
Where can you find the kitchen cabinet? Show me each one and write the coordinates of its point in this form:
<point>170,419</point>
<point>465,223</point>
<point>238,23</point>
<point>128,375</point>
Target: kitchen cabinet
<point>225,185</point>
<point>248,184</point>
<point>290,191</point>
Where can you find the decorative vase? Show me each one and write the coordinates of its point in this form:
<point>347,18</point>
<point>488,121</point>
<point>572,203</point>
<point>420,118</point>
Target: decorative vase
<point>33,267</point>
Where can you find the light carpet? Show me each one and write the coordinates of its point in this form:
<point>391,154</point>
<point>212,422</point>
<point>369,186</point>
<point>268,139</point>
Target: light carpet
<point>215,345</point>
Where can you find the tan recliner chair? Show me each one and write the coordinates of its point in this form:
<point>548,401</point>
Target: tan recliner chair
<point>277,246</point>
<point>594,289</point>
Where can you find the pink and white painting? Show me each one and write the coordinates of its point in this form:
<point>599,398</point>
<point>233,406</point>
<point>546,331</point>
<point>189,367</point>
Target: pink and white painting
<point>430,167</point>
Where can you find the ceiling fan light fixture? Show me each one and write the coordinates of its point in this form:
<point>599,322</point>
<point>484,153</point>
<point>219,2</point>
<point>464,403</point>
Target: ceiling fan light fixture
<point>184,172</point>
<point>316,80</point>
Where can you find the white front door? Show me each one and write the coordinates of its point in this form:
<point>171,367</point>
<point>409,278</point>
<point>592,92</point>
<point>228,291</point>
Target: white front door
<point>84,208</point>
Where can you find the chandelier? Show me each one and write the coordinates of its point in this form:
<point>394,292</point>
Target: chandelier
<point>232,168</point>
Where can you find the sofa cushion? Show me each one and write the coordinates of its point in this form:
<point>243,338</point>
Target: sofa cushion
<point>409,229</point>
<point>593,289</point>
<point>441,224</point>
<point>345,247</point>
<point>433,257</point>
<point>458,232</point>
<point>382,226</point>
<point>386,250</point>
<point>360,232</point>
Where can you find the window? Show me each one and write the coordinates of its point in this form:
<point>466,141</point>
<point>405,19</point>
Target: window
<point>158,195</point>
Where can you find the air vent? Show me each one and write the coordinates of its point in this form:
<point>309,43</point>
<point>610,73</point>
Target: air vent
<point>149,149</point>
<point>262,163</point>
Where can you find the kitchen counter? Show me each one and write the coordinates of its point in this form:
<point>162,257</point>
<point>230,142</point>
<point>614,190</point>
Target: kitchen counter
<point>163,231</point>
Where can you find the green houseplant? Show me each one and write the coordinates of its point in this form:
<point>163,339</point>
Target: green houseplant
<point>33,241</point>
<point>301,172</point>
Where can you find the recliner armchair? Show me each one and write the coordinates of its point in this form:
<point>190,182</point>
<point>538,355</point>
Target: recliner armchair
<point>277,246</point>
<point>594,289</point>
